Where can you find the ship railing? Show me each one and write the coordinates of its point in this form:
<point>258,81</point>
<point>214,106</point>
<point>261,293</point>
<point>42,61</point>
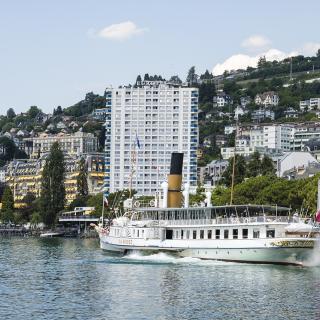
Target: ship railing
<point>231,220</point>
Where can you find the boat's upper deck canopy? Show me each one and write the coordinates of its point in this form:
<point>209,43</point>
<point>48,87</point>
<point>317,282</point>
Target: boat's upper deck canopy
<point>209,212</point>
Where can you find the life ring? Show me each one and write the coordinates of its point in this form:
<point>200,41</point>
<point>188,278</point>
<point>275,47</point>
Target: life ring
<point>136,204</point>
<point>152,203</point>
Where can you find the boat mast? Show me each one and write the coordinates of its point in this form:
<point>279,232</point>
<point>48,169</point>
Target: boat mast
<point>234,164</point>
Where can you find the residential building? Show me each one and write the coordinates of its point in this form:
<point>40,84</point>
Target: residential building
<point>262,114</point>
<point>294,160</point>
<point>244,101</point>
<point>213,172</point>
<point>229,129</point>
<point>222,99</point>
<point>311,104</point>
<point>291,113</point>
<point>238,112</point>
<point>74,144</point>
<point>302,172</point>
<point>144,126</point>
<point>313,146</point>
<point>267,99</point>
<point>100,114</point>
<point>276,136</point>
<point>42,117</point>
<point>303,133</point>
<point>242,141</point>
<point>229,152</point>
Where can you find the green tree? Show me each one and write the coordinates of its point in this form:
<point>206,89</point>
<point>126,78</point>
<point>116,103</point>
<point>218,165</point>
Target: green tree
<point>262,62</point>
<point>52,187</point>
<point>33,111</point>
<point>267,166</point>
<point>10,113</point>
<point>138,81</point>
<point>82,179</point>
<point>7,209</point>
<point>196,199</point>
<point>175,79</point>
<point>191,77</point>
<point>26,212</point>
<point>254,165</point>
<point>239,172</point>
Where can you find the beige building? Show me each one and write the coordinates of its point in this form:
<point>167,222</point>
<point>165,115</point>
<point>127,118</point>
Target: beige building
<point>24,176</point>
<point>73,144</point>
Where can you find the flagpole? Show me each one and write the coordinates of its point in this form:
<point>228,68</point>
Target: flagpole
<point>102,216</point>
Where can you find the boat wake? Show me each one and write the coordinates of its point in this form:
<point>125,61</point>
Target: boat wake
<point>165,258</point>
<point>314,261</point>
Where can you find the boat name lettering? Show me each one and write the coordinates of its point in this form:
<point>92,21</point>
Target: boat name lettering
<point>293,243</point>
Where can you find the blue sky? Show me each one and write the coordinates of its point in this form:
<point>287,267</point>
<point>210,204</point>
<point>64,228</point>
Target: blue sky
<point>53,52</point>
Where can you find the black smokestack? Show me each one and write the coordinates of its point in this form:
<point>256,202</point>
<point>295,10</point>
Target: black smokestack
<point>176,163</point>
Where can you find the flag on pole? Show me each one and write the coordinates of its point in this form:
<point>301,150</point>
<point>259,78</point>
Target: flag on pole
<point>137,141</point>
<point>105,201</point>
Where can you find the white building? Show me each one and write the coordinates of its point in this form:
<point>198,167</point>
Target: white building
<point>100,114</point>
<point>222,99</point>
<point>229,129</point>
<point>145,125</point>
<point>269,98</point>
<point>238,112</point>
<point>293,160</point>
<point>262,114</point>
<point>303,133</point>
<point>277,136</point>
<point>227,153</point>
<point>291,113</point>
<point>311,104</point>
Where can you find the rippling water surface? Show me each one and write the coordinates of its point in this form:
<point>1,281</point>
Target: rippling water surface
<point>74,279</point>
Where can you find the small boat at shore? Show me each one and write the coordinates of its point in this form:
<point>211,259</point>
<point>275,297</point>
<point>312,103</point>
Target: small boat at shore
<point>238,233</point>
<point>51,234</point>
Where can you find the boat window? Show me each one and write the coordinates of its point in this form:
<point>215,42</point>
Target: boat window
<point>271,233</point>
<point>188,234</point>
<point>181,234</point>
<point>209,234</point>
<point>226,234</point>
<point>244,233</point>
<point>138,233</point>
<point>256,234</point>
<point>169,234</point>
<point>194,234</point>
<point>201,234</point>
<point>235,233</point>
<point>142,233</point>
<point>217,233</point>
<point>177,234</point>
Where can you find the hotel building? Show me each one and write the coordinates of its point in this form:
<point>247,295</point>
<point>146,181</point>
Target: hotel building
<point>74,144</point>
<point>144,125</point>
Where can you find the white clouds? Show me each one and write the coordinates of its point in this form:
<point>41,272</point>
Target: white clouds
<point>260,46</point>
<point>242,61</point>
<point>121,31</point>
<point>310,48</point>
<point>256,42</point>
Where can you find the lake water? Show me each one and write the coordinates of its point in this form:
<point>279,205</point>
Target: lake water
<point>74,279</point>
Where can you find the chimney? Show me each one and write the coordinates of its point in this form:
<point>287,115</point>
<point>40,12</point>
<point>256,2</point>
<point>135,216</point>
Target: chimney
<point>174,180</point>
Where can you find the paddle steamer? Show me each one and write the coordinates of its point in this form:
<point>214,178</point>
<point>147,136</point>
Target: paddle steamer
<point>240,233</point>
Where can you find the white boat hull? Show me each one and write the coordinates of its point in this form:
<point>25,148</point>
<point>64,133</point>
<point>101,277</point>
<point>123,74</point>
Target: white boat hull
<point>262,251</point>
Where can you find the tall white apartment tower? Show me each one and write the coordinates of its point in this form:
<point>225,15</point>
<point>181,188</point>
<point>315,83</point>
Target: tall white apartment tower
<point>145,124</point>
